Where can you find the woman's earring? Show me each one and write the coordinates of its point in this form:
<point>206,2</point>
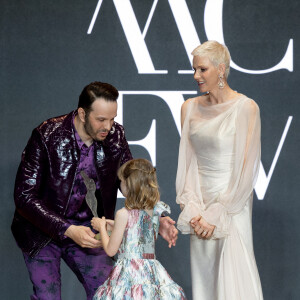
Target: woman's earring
<point>221,83</point>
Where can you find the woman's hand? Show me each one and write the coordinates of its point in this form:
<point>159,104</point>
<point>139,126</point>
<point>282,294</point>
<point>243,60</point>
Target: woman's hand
<point>97,223</point>
<point>201,228</point>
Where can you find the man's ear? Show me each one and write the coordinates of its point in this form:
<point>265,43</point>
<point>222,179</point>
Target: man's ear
<point>81,114</point>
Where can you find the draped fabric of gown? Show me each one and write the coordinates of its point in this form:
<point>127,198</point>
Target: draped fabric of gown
<point>137,274</point>
<point>219,159</point>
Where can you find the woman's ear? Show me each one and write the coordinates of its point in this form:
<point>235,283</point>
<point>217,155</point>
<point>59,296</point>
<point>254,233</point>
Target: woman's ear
<point>222,70</point>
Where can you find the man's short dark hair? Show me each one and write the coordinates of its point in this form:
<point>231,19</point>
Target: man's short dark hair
<point>96,90</point>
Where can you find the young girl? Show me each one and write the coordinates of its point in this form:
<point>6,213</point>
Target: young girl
<point>136,274</point>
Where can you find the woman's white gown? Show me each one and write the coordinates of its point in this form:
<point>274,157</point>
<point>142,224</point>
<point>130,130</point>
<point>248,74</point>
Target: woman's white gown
<point>219,159</point>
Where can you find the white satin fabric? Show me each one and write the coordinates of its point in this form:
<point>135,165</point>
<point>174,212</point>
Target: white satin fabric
<point>218,164</point>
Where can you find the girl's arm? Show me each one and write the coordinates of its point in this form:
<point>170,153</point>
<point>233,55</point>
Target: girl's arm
<point>110,224</point>
<point>111,244</point>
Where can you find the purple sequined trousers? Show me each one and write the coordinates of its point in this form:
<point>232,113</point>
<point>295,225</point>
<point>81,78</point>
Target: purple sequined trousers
<point>91,266</point>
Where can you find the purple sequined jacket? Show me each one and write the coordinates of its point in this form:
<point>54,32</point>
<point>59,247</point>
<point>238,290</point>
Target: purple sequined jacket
<point>46,176</point>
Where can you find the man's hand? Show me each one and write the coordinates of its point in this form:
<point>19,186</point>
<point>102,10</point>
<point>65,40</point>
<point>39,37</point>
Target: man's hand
<point>202,229</point>
<point>168,231</point>
<point>83,236</point>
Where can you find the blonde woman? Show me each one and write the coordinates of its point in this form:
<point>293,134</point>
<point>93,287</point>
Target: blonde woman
<point>218,164</point>
<point>136,274</point>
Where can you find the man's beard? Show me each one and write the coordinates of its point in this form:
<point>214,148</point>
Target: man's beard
<point>91,132</point>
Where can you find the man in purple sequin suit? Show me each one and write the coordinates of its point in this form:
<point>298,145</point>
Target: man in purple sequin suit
<point>52,218</point>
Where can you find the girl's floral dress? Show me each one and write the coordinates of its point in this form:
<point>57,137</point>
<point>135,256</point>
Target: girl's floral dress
<point>137,274</point>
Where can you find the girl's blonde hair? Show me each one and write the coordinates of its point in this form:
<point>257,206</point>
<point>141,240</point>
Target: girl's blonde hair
<point>140,179</point>
<point>216,52</point>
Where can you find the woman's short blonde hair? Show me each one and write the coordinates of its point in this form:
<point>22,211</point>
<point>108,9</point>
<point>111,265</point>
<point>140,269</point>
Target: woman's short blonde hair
<point>216,52</point>
<point>140,179</point>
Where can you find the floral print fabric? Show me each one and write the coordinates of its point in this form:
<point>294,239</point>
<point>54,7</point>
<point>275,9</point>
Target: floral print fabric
<point>137,274</point>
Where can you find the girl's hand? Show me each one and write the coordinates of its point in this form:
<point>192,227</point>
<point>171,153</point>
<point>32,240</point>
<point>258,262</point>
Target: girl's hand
<point>168,230</point>
<point>97,223</point>
<point>201,228</point>
<point>110,224</point>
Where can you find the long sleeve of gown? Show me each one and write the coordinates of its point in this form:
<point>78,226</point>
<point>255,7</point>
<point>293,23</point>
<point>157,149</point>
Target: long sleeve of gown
<point>245,167</point>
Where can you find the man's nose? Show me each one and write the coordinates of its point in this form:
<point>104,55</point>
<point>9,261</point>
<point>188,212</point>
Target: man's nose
<point>108,125</point>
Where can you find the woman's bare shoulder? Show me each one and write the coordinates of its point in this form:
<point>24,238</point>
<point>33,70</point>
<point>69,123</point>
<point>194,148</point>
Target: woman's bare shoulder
<point>186,103</point>
<point>250,105</point>
<point>198,99</point>
<point>191,101</point>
